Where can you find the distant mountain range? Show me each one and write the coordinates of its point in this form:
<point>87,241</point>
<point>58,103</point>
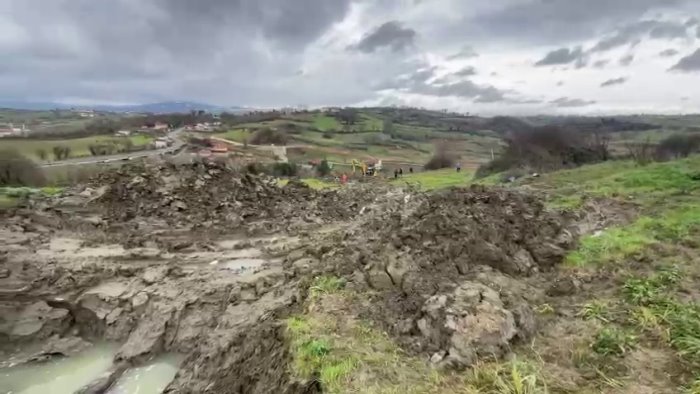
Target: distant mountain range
<point>158,108</point>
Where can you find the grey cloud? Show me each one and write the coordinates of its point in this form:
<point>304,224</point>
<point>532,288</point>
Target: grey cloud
<point>626,60</point>
<point>561,20</point>
<point>613,82</point>
<point>690,63</point>
<point>465,89</point>
<point>601,63</point>
<point>668,52</point>
<point>560,83</point>
<point>465,53</point>
<point>692,22</point>
<point>565,102</point>
<point>632,33</point>
<point>697,33</point>
<point>561,56</point>
<point>465,72</point>
<point>389,35</point>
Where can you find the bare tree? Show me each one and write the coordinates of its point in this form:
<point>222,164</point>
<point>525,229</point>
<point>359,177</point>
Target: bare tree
<point>641,152</point>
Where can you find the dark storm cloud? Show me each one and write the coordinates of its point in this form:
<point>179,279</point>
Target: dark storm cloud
<point>613,82</point>
<point>565,102</point>
<point>690,63</point>
<point>390,35</point>
<point>561,56</point>
<point>626,60</point>
<point>668,53</point>
<point>692,22</point>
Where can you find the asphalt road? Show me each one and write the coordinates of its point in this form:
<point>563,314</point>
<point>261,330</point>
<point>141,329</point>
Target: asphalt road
<point>122,156</point>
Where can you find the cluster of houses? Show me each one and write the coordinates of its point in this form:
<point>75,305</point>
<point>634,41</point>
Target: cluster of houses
<point>204,126</point>
<point>10,130</point>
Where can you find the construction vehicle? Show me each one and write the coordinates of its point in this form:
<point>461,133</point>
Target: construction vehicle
<point>371,168</point>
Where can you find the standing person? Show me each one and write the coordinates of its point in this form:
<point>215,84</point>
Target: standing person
<point>344,179</point>
<point>459,167</point>
<point>410,170</point>
<point>400,171</point>
<point>396,174</point>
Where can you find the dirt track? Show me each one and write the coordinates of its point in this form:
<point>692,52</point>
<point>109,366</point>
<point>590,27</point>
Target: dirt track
<point>201,261</point>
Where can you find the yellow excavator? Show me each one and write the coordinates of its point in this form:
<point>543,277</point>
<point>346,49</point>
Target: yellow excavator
<point>368,169</point>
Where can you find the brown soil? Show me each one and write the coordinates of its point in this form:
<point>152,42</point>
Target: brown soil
<point>163,259</point>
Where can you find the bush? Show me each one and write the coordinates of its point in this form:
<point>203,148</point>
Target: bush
<point>61,152</point>
<point>284,169</point>
<point>17,170</point>
<point>328,135</point>
<point>323,169</point>
<point>441,159</point>
<point>677,146</point>
<point>269,136</point>
<point>546,149</point>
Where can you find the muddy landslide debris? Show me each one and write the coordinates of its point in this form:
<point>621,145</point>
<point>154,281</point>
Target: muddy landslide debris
<point>445,268</point>
<point>446,271</point>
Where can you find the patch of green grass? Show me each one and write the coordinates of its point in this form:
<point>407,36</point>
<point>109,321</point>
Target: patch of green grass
<point>80,147</point>
<point>237,135</point>
<point>514,377</point>
<point>325,123</point>
<point>7,201</point>
<point>326,285</point>
<point>141,139</point>
<point>596,310</point>
<point>656,306</point>
<point>439,179</point>
<point>613,341</point>
<point>618,244</point>
<point>649,185</point>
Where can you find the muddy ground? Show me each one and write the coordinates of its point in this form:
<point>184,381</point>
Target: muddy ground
<point>201,261</point>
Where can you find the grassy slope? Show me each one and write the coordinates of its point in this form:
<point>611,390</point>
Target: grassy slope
<point>645,308</point>
<point>79,146</point>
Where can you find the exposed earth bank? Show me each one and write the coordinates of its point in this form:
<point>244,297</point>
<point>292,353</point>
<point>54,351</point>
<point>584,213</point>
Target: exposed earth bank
<point>202,261</point>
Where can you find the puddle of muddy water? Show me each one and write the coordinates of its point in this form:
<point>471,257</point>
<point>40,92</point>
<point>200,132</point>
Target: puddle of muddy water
<point>60,375</point>
<point>151,378</point>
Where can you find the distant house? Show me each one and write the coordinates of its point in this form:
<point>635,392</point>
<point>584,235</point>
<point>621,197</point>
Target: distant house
<point>160,126</point>
<point>219,147</point>
<point>162,143</point>
<point>123,133</point>
<point>12,131</point>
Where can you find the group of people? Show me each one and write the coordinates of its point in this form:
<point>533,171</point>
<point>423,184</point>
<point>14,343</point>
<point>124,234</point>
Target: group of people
<point>399,172</point>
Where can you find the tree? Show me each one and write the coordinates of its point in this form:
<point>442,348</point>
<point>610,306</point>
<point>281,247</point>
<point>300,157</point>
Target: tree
<point>388,127</point>
<point>42,154</point>
<point>678,145</point>
<point>347,116</point>
<point>17,170</point>
<point>323,169</point>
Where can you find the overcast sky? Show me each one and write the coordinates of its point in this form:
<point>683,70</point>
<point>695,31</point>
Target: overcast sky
<point>489,57</point>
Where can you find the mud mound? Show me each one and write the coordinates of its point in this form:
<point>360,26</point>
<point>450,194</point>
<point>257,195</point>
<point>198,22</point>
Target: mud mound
<point>211,194</point>
<point>443,268</point>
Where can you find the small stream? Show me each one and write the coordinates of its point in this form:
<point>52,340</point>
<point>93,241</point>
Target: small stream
<point>68,374</point>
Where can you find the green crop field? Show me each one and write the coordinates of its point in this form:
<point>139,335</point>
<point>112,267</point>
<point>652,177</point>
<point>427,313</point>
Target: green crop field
<point>79,146</point>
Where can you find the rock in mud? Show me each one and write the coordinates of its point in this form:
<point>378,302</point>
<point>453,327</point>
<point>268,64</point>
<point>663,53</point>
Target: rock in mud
<point>36,321</point>
<point>472,322</point>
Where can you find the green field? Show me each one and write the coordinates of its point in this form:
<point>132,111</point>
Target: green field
<point>79,146</point>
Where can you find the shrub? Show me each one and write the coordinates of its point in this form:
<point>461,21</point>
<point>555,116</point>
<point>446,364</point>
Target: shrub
<point>284,169</point>
<point>269,136</point>
<point>328,135</point>
<point>548,148</point>
<point>17,170</point>
<point>677,146</point>
<point>323,169</point>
